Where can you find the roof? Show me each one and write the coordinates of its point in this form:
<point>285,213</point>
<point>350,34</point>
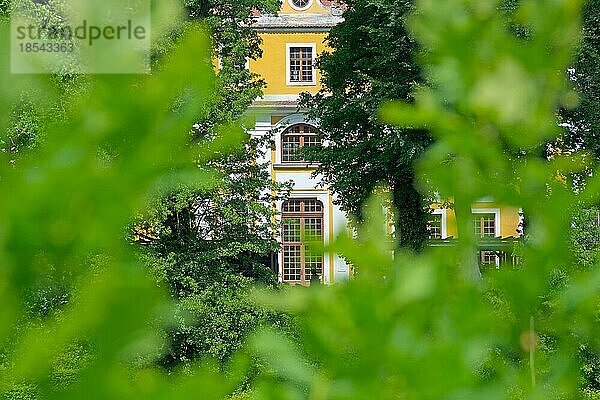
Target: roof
<point>291,21</point>
<point>276,104</point>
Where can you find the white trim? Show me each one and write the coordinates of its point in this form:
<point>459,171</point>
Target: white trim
<point>306,7</point>
<point>444,228</point>
<point>294,29</point>
<point>294,119</point>
<point>288,46</point>
<point>495,211</point>
<point>279,97</point>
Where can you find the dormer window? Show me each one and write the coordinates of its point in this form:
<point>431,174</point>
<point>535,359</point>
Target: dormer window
<point>294,139</point>
<point>300,5</point>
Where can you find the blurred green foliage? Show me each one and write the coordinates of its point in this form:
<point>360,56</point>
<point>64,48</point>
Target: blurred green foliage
<point>210,245</point>
<point>409,326</point>
<point>201,238</point>
<point>585,238</point>
<point>66,204</point>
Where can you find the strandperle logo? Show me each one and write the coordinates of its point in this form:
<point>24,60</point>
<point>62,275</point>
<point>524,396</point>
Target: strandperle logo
<point>80,36</point>
<point>84,32</point>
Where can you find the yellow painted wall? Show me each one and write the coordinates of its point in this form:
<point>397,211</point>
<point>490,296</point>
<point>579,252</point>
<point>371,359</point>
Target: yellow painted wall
<point>451,226</point>
<point>509,219</point>
<point>272,67</point>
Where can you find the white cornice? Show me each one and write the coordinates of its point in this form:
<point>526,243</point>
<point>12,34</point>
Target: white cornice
<point>296,22</point>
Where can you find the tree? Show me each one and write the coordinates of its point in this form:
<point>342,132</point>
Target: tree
<point>26,127</point>
<point>234,42</point>
<point>211,247</point>
<point>4,8</point>
<point>211,244</point>
<point>582,123</point>
<point>204,240</point>
<point>372,60</point>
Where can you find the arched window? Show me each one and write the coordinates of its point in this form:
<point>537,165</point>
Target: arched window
<point>302,236</point>
<point>300,4</point>
<point>296,137</point>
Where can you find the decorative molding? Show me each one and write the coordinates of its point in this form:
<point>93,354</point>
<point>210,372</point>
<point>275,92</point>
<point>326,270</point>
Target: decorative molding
<point>294,119</point>
<point>279,97</point>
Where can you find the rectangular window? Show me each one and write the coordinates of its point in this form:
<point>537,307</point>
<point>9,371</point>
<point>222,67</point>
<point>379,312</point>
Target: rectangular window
<point>291,230</point>
<point>301,64</point>
<point>292,260</point>
<point>434,226</point>
<point>491,258</point>
<point>485,225</point>
<point>488,257</point>
<point>302,237</point>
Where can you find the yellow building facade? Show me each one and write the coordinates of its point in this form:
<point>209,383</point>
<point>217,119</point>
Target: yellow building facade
<point>291,42</point>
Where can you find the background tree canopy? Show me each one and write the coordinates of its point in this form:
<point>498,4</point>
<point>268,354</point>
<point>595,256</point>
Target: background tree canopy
<point>210,244</point>
<point>583,122</point>
<point>373,59</point>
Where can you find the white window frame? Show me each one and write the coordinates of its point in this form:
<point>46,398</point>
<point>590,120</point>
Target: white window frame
<point>306,7</point>
<point>443,213</point>
<point>495,211</point>
<point>288,46</point>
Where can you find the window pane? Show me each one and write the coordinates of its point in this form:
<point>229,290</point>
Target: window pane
<point>291,145</point>
<point>300,3</point>
<point>313,263</point>
<point>490,257</point>
<point>291,230</point>
<point>291,206</point>
<point>296,129</point>
<point>292,263</point>
<point>313,229</point>
<point>311,141</point>
<point>307,75</point>
<point>312,206</point>
<point>485,225</point>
